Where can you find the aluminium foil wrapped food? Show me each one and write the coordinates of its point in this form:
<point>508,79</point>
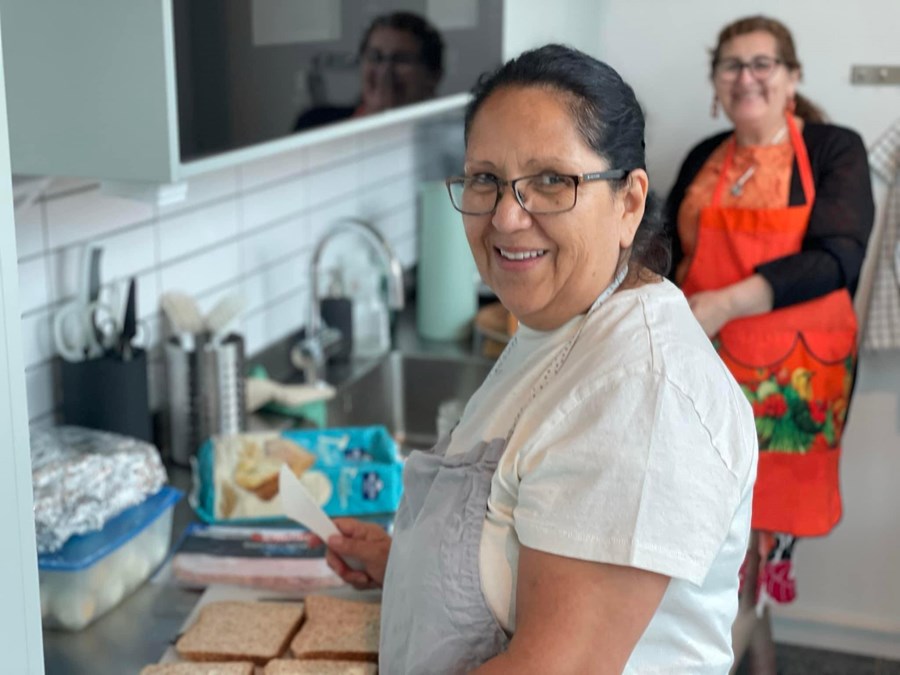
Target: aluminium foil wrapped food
<point>83,477</point>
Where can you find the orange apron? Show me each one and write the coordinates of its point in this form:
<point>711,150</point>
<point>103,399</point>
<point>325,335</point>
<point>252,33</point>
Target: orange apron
<point>794,364</point>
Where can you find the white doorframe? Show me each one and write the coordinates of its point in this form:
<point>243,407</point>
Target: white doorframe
<point>20,608</point>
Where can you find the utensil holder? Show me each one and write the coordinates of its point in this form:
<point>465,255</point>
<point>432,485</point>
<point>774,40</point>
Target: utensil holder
<point>109,394</point>
<point>206,393</point>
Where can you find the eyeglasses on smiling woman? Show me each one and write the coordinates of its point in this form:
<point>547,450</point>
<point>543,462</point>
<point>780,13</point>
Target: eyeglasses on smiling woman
<point>760,67</point>
<point>541,194</point>
<point>400,59</point>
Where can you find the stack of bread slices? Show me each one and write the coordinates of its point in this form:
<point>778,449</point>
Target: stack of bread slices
<point>324,635</point>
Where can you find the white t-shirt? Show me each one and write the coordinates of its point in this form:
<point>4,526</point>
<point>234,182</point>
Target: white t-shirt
<point>640,451</point>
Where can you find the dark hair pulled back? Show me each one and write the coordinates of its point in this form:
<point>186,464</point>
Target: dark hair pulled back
<point>606,114</point>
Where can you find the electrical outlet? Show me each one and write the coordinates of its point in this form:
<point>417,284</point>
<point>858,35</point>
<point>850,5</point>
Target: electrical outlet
<point>875,74</point>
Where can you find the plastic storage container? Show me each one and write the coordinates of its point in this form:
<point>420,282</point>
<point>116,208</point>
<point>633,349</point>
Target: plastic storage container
<point>93,572</point>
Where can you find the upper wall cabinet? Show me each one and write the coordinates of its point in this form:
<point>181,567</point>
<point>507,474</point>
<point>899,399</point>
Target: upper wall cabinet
<point>156,91</point>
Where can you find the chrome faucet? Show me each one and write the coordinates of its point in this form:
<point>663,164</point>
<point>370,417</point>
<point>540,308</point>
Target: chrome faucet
<point>309,354</point>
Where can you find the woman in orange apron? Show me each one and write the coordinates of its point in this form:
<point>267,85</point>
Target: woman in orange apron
<point>770,225</point>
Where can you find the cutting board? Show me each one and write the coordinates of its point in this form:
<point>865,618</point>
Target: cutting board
<point>219,592</point>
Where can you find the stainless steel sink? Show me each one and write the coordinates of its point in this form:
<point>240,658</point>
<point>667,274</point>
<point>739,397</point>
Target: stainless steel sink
<point>403,392</point>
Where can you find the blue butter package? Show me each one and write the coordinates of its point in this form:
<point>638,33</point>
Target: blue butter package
<point>351,471</point>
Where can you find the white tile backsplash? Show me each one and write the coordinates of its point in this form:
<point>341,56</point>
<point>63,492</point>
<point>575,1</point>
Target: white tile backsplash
<point>271,245</point>
<point>39,383</point>
<point>382,197</point>
<point>250,229</point>
<point>399,221</point>
<point>65,274</point>
<point>156,383</point>
<point>129,252</point>
<point>269,281</point>
<point>406,249</point>
<point>30,230</point>
<point>333,184</point>
<point>394,160</point>
<point>37,338</point>
<point>337,151</point>
<point>274,202</point>
<point>197,229</point>
<point>272,169</point>
<point>33,293</point>
<point>206,271</point>
<point>87,215</point>
<point>393,135</point>
<point>148,293</point>
<point>125,253</point>
<point>279,319</point>
<point>321,220</point>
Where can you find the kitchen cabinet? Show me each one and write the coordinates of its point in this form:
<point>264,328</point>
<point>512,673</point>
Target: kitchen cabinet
<point>92,92</point>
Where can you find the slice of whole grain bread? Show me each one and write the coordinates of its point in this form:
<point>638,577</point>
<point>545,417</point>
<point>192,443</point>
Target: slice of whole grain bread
<point>319,667</point>
<point>340,630</point>
<point>234,668</point>
<point>241,631</point>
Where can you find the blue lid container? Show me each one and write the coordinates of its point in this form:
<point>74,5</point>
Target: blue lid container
<point>83,550</point>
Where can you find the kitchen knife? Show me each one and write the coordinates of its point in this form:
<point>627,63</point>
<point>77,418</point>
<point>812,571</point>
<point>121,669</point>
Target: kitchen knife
<point>94,256</point>
<point>129,322</point>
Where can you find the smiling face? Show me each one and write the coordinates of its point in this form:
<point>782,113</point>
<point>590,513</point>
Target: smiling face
<point>392,70</point>
<point>749,102</point>
<point>546,269</point>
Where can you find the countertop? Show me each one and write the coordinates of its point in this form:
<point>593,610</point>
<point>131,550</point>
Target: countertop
<point>139,630</point>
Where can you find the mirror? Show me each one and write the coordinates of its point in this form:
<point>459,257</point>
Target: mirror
<point>250,71</point>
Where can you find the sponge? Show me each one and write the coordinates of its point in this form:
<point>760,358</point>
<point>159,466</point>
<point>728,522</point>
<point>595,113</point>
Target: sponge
<point>306,401</point>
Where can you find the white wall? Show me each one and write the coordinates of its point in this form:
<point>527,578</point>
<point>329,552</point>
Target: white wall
<point>849,585</point>
<point>532,23</point>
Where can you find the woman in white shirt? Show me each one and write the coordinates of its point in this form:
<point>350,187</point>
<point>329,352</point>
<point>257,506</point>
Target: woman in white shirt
<point>591,509</point>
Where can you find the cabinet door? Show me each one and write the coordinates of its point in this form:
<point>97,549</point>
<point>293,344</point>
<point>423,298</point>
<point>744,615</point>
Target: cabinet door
<point>91,88</point>
<point>20,611</point>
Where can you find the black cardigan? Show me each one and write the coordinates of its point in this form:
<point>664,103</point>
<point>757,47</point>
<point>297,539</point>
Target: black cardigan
<point>839,224</point>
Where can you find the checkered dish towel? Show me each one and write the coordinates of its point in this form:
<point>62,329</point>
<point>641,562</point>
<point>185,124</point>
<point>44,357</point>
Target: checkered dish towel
<point>882,330</point>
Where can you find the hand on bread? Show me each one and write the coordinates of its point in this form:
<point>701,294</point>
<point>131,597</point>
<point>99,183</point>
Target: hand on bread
<point>366,542</point>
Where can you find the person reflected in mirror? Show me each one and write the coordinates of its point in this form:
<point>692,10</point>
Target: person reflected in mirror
<point>401,57</point>
<point>769,222</point>
<point>590,510</point>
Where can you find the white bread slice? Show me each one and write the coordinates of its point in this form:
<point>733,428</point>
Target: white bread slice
<point>235,668</point>
<point>338,630</point>
<point>258,466</point>
<point>241,631</point>
<point>319,667</point>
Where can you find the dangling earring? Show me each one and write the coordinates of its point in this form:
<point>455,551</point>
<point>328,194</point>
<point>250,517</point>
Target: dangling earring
<point>714,110</point>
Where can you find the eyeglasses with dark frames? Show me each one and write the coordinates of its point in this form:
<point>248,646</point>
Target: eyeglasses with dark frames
<point>540,194</point>
<point>760,67</point>
<point>399,59</point>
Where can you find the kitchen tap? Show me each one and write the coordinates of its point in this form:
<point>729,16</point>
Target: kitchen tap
<point>309,355</point>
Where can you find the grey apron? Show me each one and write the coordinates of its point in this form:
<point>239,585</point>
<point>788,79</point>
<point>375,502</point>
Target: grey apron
<point>434,617</point>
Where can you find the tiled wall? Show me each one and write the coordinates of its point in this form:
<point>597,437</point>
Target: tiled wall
<point>249,228</point>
